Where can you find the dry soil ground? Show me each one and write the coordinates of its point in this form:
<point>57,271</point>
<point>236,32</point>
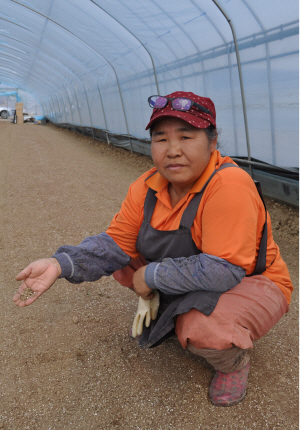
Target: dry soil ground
<point>67,361</point>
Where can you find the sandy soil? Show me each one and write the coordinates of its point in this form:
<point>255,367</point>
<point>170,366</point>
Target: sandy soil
<point>67,361</point>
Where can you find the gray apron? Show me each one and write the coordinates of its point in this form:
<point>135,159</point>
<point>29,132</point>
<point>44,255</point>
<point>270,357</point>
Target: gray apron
<point>155,245</point>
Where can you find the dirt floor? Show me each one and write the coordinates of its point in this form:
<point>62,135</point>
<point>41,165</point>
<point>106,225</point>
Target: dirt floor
<point>67,361</point>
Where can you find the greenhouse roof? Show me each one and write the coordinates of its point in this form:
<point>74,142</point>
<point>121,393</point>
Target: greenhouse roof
<point>93,64</point>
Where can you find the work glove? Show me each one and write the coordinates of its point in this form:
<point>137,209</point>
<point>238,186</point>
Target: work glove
<point>147,310</point>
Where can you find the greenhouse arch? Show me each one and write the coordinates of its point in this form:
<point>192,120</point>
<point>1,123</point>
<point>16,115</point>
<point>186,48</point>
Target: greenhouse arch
<point>91,66</point>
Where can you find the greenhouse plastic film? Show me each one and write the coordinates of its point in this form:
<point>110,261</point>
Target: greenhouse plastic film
<point>93,64</point>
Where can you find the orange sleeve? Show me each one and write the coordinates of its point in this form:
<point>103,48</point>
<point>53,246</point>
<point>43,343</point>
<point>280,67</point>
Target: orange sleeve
<point>125,225</point>
<point>232,219</point>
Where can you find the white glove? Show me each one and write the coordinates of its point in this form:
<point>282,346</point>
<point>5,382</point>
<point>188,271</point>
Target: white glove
<point>146,309</point>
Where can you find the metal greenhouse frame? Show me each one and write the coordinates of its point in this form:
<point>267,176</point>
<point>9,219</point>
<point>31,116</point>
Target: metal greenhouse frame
<point>92,64</point>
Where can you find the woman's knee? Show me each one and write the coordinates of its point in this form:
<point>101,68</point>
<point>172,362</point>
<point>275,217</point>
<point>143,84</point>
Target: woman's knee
<point>243,314</point>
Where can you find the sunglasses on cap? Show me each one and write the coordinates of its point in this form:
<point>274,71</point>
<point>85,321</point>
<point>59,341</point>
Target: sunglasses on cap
<point>178,103</point>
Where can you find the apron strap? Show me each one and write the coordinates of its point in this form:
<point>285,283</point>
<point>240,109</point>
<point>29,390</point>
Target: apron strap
<point>262,252</point>
<point>189,214</point>
<point>149,205</point>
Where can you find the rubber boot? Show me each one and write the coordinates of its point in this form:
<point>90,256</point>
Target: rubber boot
<point>228,389</point>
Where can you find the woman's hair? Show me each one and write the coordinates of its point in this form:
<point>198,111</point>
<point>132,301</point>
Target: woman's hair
<point>211,133</point>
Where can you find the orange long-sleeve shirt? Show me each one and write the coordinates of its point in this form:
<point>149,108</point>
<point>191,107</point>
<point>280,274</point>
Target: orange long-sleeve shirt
<point>228,223</point>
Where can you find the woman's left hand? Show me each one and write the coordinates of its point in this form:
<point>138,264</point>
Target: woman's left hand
<point>139,285</point>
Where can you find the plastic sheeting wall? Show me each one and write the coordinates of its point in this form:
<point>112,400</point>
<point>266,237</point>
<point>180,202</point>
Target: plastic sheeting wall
<point>95,63</point>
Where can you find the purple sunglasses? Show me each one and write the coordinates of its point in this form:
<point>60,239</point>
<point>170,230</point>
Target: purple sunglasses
<point>178,103</point>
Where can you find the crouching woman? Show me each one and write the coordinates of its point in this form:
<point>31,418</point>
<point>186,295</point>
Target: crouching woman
<point>193,231</point>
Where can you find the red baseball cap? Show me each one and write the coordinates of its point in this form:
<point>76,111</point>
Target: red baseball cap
<point>194,116</point>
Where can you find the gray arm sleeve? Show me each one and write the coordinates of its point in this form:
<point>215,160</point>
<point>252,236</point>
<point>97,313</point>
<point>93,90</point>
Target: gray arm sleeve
<point>94,257</point>
<point>198,272</point>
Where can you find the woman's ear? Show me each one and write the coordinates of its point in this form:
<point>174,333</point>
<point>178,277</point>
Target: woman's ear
<point>213,145</point>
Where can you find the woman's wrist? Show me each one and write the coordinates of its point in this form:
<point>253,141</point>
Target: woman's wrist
<point>150,273</point>
<point>56,264</point>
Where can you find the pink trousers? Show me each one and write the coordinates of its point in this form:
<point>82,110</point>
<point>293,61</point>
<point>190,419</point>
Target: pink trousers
<point>242,315</point>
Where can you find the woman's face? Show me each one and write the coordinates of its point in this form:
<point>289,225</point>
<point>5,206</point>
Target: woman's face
<point>180,152</point>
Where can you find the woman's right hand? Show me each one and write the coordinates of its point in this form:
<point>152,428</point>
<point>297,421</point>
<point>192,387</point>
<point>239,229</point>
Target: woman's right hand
<point>37,278</point>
